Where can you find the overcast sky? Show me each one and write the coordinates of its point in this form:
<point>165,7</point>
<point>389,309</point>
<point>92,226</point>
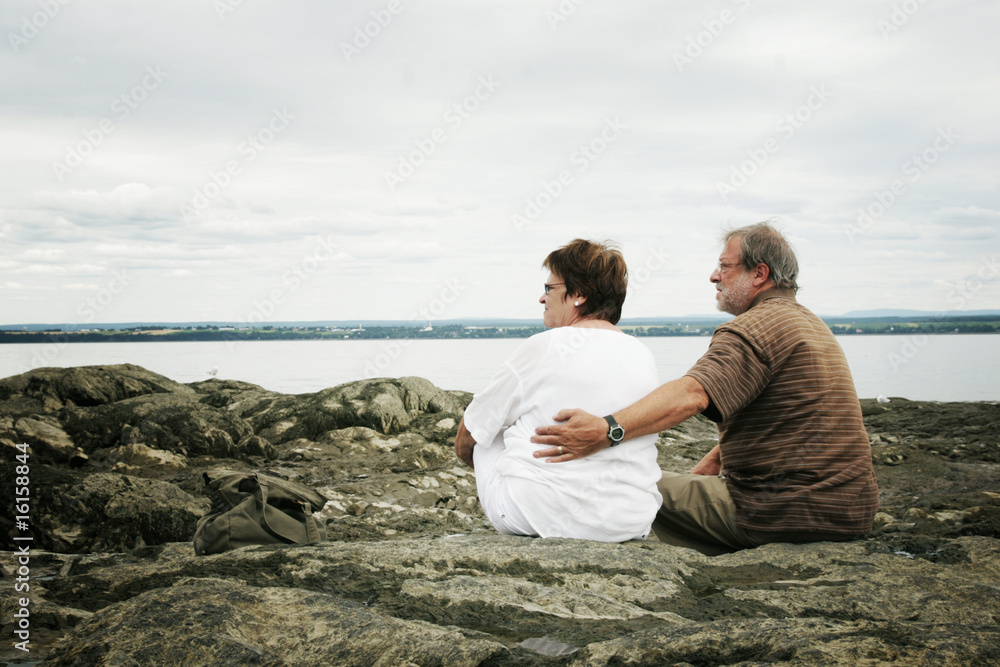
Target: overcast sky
<point>265,161</point>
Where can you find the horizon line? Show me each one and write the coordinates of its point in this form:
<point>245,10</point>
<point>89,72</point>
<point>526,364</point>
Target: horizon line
<point>508,321</point>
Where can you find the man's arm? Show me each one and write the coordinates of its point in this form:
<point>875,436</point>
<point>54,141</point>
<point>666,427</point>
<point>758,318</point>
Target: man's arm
<point>464,444</point>
<point>710,464</point>
<point>581,434</point>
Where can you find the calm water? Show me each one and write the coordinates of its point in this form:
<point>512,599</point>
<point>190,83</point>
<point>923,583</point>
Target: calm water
<point>934,368</point>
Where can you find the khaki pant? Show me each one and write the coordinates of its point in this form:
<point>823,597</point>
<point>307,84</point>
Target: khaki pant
<point>698,513</point>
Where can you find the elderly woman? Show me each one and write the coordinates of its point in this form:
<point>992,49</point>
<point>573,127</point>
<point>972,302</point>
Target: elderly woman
<point>584,360</point>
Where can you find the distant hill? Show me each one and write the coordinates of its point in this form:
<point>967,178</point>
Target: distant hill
<point>716,318</point>
<point>904,312</point>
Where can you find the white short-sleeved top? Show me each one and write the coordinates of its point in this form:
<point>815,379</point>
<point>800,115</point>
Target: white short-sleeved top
<point>609,496</point>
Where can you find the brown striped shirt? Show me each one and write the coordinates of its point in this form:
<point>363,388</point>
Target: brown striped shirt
<point>794,448</point>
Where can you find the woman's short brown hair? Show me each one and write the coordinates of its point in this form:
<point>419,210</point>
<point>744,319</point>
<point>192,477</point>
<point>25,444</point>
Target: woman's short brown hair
<point>595,271</point>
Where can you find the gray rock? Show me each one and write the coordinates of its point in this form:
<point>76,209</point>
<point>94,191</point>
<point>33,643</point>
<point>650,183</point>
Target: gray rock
<point>136,457</point>
<point>439,427</point>
<point>66,414</point>
<point>479,597</point>
<point>682,446</point>
<point>799,642</point>
<point>55,388</point>
<point>50,444</point>
<point>73,512</point>
<point>213,621</point>
<point>223,393</point>
<point>414,574</point>
<point>172,422</point>
<point>383,404</point>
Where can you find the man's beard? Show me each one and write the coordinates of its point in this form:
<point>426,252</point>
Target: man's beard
<point>736,298</point>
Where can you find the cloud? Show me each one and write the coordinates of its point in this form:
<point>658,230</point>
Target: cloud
<point>128,203</point>
<point>561,75</point>
<point>966,215</point>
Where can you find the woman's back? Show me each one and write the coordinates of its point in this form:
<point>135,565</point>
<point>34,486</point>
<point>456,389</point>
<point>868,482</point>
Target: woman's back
<point>610,496</point>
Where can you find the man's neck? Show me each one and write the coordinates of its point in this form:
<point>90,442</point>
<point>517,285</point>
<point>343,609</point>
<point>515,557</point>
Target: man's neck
<point>771,292</point>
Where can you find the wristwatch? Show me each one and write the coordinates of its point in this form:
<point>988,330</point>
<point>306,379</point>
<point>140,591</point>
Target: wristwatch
<point>615,431</point>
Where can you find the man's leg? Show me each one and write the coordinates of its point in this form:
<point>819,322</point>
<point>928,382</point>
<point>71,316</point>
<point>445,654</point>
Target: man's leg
<point>698,513</point>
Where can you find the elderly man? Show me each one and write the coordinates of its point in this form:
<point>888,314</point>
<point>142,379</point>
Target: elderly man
<point>793,463</point>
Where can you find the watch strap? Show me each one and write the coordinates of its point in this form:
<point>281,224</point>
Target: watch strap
<point>616,433</point>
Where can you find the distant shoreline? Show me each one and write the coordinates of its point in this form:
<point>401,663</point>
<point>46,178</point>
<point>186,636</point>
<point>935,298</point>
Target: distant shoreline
<point>449,332</point>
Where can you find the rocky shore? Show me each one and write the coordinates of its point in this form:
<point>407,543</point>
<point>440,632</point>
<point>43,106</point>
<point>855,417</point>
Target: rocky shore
<point>412,573</point>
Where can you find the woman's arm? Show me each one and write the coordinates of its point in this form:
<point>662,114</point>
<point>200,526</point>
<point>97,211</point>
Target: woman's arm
<point>464,445</point>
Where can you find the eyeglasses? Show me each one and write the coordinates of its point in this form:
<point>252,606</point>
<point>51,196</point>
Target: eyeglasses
<point>721,267</point>
<point>549,286</point>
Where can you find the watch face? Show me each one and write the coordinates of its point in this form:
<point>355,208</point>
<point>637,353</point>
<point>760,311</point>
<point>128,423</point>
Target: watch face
<point>617,433</point>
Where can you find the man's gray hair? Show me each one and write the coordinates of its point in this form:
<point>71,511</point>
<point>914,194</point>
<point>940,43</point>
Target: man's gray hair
<point>763,244</point>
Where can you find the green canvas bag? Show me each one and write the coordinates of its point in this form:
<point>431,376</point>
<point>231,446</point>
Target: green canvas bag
<point>253,508</point>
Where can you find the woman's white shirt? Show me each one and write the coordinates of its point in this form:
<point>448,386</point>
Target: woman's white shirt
<point>609,496</point>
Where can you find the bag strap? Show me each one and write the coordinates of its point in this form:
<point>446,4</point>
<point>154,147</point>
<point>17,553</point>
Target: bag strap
<point>226,481</point>
<point>296,491</point>
<point>261,496</point>
<point>312,529</point>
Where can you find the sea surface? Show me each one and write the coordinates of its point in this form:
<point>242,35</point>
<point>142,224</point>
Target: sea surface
<point>930,368</point>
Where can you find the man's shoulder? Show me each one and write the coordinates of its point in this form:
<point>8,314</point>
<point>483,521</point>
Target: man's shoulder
<point>775,311</point>
<point>775,323</point>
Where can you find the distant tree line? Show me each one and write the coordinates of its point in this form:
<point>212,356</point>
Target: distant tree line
<point>451,331</point>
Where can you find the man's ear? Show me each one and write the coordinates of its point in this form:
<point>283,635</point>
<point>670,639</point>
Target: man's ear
<point>761,274</point>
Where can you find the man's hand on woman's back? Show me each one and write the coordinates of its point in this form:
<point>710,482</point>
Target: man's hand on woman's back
<point>578,434</point>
